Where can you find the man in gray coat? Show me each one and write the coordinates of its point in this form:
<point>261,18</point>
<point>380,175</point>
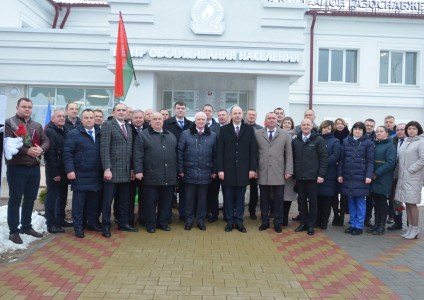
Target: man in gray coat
<point>275,165</point>
<point>116,153</point>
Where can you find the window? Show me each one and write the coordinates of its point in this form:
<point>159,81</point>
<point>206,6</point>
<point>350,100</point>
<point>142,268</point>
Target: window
<point>94,98</point>
<point>337,65</point>
<point>398,67</point>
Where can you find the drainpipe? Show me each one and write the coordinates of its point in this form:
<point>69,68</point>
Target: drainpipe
<point>68,10</point>
<point>56,16</point>
<point>311,60</point>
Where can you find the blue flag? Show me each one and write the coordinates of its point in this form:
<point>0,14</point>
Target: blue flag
<point>48,115</point>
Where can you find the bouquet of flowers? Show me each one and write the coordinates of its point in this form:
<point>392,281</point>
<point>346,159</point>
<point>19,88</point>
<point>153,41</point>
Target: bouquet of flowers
<point>23,133</point>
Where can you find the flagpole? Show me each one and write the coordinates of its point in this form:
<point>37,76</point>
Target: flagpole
<point>129,50</point>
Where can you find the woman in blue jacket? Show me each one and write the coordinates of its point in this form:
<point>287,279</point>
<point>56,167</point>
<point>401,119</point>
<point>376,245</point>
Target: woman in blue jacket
<point>355,170</point>
<point>327,189</point>
<point>381,186</point>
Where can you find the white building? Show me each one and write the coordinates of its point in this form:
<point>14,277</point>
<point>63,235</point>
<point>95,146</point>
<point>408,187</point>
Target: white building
<point>256,53</point>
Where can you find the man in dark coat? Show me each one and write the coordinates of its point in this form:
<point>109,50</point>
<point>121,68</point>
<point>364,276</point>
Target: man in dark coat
<point>57,184</point>
<point>236,164</point>
<point>116,153</point>
<point>72,119</point>
<point>155,161</point>
<point>137,126</point>
<point>176,125</point>
<point>251,117</point>
<point>197,167</point>
<point>310,166</point>
<point>23,171</point>
<point>81,156</point>
<point>215,185</point>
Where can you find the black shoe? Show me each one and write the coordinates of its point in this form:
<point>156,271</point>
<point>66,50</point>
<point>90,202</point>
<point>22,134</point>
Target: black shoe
<point>55,229</point>
<point>187,227</point>
<point>253,216</point>
<point>212,219</point>
<point>150,230</point>
<point>356,231</point>
<point>323,226</point>
<point>106,232</point>
<point>378,231</point>
<point>229,228</point>
<point>395,227</point>
<point>201,226</point>
<point>311,230</point>
<point>241,228</point>
<point>182,218</point>
<point>94,228</point>
<point>349,230</point>
<point>371,230</point>
<point>302,227</point>
<point>127,228</point>
<point>368,223</point>
<point>164,228</point>
<point>263,227</point>
<point>277,228</point>
<point>79,234</point>
<point>296,218</point>
<point>67,224</point>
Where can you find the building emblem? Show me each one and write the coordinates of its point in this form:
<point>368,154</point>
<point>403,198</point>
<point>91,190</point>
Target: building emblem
<point>207,17</point>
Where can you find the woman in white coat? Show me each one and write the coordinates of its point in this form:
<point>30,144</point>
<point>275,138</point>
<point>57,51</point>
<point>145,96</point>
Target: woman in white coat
<point>411,175</point>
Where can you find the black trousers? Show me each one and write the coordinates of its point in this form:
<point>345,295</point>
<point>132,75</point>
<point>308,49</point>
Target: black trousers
<point>161,196</point>
<point>121,190</point>
<point>323,209</point>
<point>370,206</point>
<point>278,191</point>
<point>196,202</point>
<point>134,185</point>
<point>253,199</point>
<point>307,199</point>
<point>381,208</point>
<point>212,197</point>
<point>84,203</point>
<point>286,210</point>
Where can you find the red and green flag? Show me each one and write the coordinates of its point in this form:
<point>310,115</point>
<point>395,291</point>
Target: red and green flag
<point>124,70</point>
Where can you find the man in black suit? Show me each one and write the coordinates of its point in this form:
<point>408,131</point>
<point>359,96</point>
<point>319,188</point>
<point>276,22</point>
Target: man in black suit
<point>215,185</point>
<point>176,125</point>
<point>116,154</point>
<point>208,110</point>
<point>137,126</point>
<point>236,160</point>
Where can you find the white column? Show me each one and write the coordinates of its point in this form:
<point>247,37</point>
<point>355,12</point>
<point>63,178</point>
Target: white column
<point>271,92</point>
<point>144,95</point>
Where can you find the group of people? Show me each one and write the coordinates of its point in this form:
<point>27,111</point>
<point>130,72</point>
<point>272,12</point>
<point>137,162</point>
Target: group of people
<point>151,155</point>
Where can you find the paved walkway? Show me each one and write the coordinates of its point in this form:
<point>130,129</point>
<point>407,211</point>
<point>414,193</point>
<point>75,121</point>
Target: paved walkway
<point>217,265</point>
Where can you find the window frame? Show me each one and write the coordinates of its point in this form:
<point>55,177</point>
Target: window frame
<point>389,71</point>
<point>343,81</point>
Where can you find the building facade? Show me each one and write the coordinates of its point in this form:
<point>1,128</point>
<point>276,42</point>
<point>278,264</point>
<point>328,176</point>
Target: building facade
<point>258,54</point>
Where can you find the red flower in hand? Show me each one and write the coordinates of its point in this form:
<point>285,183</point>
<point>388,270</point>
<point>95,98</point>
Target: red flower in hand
<point>21,132</point>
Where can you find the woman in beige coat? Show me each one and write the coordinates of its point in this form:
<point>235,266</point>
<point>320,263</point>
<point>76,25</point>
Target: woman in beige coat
<point>289,192</point>
<point>411,175</point>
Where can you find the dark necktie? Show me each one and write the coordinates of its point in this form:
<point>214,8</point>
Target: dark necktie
<point>401,142</point>
<point>237,130</point>
<point>91,134</point>
<point>270,135</point>
<point>124,130</point>
<point>200,132</point>
<point>181,124</point>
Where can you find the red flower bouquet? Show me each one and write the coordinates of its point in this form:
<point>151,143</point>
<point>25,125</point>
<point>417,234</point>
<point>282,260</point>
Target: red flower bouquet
<point>23,133</point>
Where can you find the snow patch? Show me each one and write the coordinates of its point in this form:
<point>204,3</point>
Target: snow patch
<point>38,224</point>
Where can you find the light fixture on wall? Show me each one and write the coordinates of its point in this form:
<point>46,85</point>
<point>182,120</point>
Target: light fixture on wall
<point>14,91</point>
